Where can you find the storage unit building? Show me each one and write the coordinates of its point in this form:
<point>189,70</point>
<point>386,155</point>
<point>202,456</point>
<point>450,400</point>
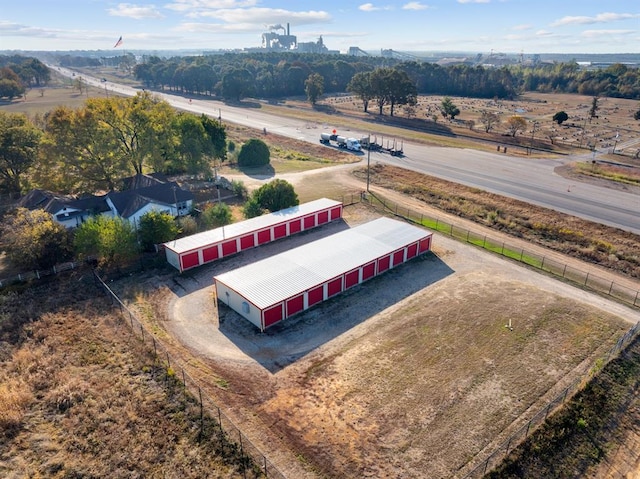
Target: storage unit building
<point>275,288</point>
<point>208,246</point>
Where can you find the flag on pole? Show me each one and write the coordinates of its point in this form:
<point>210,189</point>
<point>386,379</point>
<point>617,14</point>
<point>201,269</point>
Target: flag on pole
<point>118,43</point>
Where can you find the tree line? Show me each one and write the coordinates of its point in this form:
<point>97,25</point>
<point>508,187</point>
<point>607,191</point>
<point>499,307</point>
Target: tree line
<point>275,75</point>
<point>17,73</point>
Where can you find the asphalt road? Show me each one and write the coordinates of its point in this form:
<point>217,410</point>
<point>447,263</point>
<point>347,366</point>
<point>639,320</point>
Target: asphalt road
<point>529,180</point>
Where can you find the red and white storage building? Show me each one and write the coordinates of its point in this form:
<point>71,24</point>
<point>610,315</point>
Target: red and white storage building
<point>275,288</point>
<point>201,248</point>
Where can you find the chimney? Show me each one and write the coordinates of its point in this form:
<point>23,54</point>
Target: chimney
<point>287,28</point>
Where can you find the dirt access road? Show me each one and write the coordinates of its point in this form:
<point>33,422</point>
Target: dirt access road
<point>297,389</point>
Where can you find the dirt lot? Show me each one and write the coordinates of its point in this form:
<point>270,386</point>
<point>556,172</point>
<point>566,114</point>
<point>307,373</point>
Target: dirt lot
<point>411,374</point>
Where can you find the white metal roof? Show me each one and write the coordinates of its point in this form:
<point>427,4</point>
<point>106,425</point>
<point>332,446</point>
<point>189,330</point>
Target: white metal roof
<point>234,230</point>
<point>288,274</point>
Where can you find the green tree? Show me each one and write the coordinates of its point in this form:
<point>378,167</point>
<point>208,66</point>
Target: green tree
<point>32,239</point>
<point>237,83</point>
<point>314,87</point>
<point>80,153</point>
<point>560,117</point>
<point>360,85</point>
<point>448,108</point>
<point>515,124</point>
<point>141,127</point>
<point>254,152</point>
<point>276,195</point>
<point>19,143</point>
<point>216,215</point>
<point>112,240</point>
<point>402,90</point>
<point>155,228</point>
<point>252,208</point>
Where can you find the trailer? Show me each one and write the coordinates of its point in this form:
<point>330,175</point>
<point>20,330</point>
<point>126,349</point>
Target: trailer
<point>351,144</point>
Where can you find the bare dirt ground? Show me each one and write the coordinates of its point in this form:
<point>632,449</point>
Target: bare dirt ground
<point>410,375</point>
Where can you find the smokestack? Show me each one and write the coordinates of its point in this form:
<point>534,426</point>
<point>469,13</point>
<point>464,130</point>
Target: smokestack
<point>287,28</point>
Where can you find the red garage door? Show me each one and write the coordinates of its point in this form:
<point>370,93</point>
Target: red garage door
<point>279,231</point>
<point>229,247</point>
<point>315,295</point>
<point>309,222</point>
<point>412,250</point>
<point>323,217</point>
<point>210,253</point>
<point>398,257</point>
<point>425,244</point>
<point>264,236</point>
<point>272,315</point>
<point>247,242</point>
<point>295,305</point>
<point>334,286</point>
<point>383,263</point>
<point>295,226</point>
<point>368,271</point>
<point>351,278</point>
<point>189,260</point>
<point>336,213</point>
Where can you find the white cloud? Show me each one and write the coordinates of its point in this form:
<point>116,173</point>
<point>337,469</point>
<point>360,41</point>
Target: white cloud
<point>599,18</point>
<point>473,1</point>
<point>198,5</point>
<point>368,7</point>
<point>134,11</point>
<point>414,6</point>
<point>606,33</point>
<point>267,16</point>
<point>519,28</point>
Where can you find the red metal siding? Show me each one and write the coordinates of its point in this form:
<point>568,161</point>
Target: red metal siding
<point>309,222</point>
<point>412,250</point>
<point>247,242</point>
<point>229,247</point>
<point>264,236</point>
<point>315,295</point>
<point>279,231</point>
<point>272,315</point>
<point>323,217</point>
<point>334,286</point>
<point>351,278</point>
<point>398,257</point>
<point>209,254</point>
<point>189,260</point>
<point>368,271</point>
<point>336,213</point>
<point>383,263</point>
<point>295,305</point>
<point>295,226</point>
<point>425,244</point>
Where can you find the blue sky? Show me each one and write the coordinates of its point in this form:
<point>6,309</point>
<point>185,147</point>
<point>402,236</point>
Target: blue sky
<point>508,26</point>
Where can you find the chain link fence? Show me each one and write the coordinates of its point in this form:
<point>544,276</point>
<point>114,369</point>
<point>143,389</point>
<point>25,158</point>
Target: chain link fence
<point>544,263</point>
<point>215,425</point>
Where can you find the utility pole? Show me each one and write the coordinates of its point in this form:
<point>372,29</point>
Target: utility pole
<point>368,159</point>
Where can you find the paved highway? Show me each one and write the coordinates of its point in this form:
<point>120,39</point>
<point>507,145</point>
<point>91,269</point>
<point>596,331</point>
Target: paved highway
<point>529,180</point>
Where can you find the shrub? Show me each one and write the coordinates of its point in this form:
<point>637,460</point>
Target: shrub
<point>155,228</point>
<point>217,215</point>
<point>254,152</point>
